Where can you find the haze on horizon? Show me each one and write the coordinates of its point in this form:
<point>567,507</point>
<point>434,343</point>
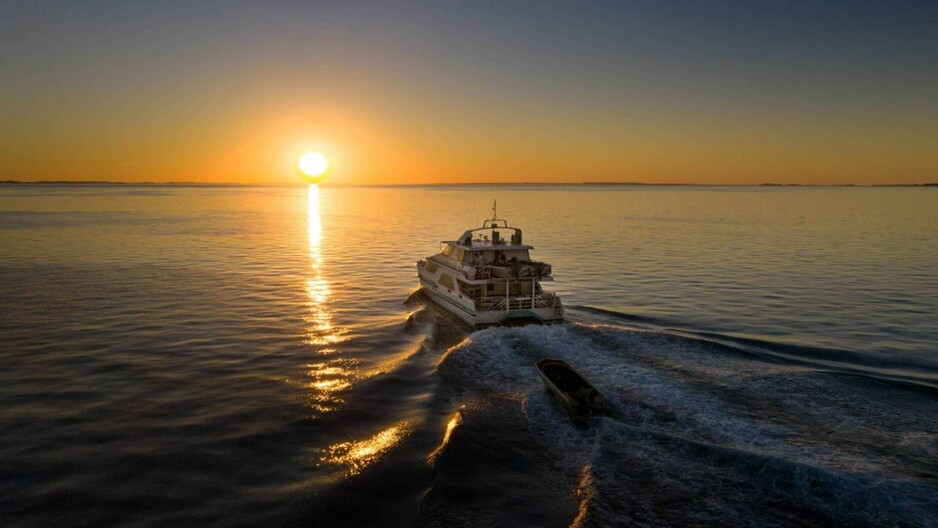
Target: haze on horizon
<point>399,93</point>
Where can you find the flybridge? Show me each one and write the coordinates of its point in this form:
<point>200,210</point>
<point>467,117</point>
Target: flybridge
<point>495,232</point>
<point>492,234</point>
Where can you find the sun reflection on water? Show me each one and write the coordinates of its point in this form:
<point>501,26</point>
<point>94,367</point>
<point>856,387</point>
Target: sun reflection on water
<point>334,375</point>
<point>321,330</point>
<point>356,456</point>
<point>454,422</point>
<point>330,378</point>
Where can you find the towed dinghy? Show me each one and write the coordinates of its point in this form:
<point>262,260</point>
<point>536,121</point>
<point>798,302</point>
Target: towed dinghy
<point>571,388</point>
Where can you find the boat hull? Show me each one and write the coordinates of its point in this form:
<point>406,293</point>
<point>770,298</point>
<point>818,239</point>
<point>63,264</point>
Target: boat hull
<point>464,308</point>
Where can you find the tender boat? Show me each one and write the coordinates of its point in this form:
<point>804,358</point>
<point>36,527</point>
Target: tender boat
<point>487,277</point>
<point>572,389</point>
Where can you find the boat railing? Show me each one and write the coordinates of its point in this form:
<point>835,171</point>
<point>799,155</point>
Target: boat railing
<point>496,304</point>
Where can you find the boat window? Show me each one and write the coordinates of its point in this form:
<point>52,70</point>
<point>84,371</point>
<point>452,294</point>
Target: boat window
<point>447,281</point>
<point>447,250</point>
<point>460,252</point>
<point>431,267</point>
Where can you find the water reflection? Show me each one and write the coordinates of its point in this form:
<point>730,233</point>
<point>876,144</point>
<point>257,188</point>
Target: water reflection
<point>451,425</point>
<point>356,456</point>
<point>329,380</point>
<point>331,377</point>
<point>320,330</point>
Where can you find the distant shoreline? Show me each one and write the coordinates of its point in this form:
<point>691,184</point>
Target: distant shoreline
<point>484,184</point>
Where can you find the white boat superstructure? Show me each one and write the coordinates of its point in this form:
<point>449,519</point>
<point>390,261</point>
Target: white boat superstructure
<point>486,277</point>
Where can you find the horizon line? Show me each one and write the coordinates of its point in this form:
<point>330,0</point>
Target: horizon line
<point>457,184</point>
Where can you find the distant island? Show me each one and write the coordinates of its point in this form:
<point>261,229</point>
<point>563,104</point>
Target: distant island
<point>464,184</point>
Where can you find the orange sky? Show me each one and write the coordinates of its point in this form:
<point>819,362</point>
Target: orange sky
<point>398,97</point>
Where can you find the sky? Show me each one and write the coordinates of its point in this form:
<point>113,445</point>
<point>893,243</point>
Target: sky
<point>712,92</point>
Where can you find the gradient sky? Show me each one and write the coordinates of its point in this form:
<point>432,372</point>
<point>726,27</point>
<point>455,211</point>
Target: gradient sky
<point>392,93</point>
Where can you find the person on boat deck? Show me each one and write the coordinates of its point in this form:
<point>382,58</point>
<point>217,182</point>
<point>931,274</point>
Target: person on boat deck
<point>499,257</point>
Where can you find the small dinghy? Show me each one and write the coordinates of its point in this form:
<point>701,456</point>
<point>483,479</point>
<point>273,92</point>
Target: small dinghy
<point>572,389</point>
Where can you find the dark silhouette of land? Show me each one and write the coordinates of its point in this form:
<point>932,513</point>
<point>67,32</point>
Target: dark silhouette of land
<point>465,184</point>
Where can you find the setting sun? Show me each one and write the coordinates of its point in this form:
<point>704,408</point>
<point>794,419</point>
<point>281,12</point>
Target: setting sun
<point>313,164</point>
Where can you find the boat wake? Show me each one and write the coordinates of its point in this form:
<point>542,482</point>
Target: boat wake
<point>696,432</point>
<point>842,362</point>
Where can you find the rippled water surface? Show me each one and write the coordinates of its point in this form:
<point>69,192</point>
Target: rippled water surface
<point>244,356</point>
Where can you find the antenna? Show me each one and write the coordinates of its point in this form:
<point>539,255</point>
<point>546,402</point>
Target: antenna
<point>495,210</point>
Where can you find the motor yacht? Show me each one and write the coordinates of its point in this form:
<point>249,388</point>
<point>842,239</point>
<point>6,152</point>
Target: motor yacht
<point>486,277</point>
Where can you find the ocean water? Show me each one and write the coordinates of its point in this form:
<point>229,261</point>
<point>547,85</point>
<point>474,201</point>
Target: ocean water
<point>252,356</point>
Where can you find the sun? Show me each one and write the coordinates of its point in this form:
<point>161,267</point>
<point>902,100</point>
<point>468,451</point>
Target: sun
<point>313,165</point>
